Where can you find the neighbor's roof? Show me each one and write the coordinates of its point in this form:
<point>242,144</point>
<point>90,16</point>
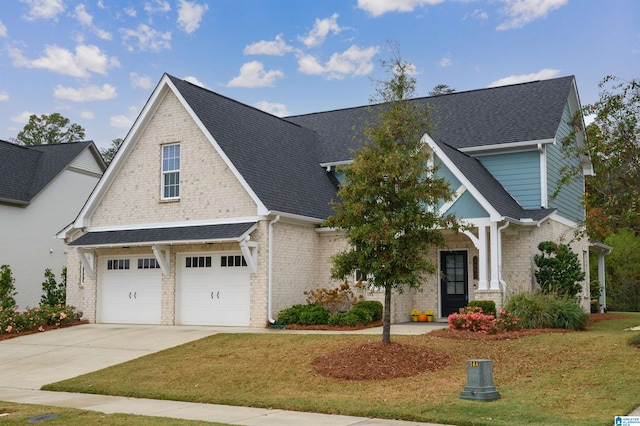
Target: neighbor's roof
<point>26,170</point>
<point>472,119</point>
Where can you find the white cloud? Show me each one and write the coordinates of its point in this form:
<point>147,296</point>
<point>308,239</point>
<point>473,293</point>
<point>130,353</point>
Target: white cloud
<point>544,74</point>
<point>195,81</point>
<point>4,96</point>
<point>522,12</point>
<point>320,30</point>
<point>353,61</point>
<point>148,38</point>
<point>140,81</point>
<point>130,11</point>
<point>379,7</point>
<point>253,74</point>
<point>190,15</point>
<point>124,121</point>
<point>446,61</point>
<point>476,14</point>
<point>87,59</point>
<point>157,6</point>
<point>22,118</point>
<point>277,109</point>
<point>3,30</point>
<point>277,47</point>
<point>87,115</point>
<point>43,9</point>
<point>85,94</point>
<point>86,20</point>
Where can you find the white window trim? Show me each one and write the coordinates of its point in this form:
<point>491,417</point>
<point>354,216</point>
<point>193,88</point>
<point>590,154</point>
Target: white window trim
<point>163,172</point>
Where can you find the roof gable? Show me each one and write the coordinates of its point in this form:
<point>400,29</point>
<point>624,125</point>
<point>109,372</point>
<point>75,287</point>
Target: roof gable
<point>26,170</point>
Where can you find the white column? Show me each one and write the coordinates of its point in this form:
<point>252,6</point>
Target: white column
<point>483,259</point>
<point>495,255</point>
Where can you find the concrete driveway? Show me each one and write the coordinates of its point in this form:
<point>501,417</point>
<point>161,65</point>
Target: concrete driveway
<point>31,361</point>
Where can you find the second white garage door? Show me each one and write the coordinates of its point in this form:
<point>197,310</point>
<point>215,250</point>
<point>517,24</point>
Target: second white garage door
<point>213,289</point>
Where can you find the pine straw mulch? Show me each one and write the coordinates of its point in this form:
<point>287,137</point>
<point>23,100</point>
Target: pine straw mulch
<point>376,361</point>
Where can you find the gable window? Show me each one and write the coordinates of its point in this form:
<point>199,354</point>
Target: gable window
<point>171,171</point>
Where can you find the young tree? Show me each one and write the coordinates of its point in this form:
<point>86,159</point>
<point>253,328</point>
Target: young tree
<point>109,153</point>
<point>387,202</point>
<point>49,129</point>
<point>54,294</point>
<point>441,89</point>
<point>559,271</point>
<point>7,289</point>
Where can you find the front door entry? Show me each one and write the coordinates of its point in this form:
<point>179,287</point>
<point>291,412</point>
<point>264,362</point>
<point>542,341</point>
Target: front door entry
<point>454,281</point>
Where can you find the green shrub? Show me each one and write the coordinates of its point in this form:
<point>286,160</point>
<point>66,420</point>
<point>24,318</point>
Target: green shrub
<point>567,313</point>
<point>7,289</point>
<point>634,341</point>
<point>536,310</point>
<point>336,319</point>
<point>304,315</point>
<point>364,316</point>
<point>350,319</point>
<point>559,271</point>
<point>16,322</point>
<point>54,294</point>
<point>374,307</point>
<point>488,306</point>
<point>531,309</point>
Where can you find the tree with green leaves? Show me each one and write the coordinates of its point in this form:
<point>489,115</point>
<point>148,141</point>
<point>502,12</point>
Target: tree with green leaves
<point>559,271</point>
<point>7,289</point>
<point>441,89</point>
<point>111,151</point>
<point>49,129</point>
<point>623,271</point>
<point>54,294</point>
<point>387,202</point>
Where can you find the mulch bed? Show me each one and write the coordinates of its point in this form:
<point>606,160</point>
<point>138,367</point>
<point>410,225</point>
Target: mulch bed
<point>325,327</point>
<point>6,336</point>
<point>376,361</point>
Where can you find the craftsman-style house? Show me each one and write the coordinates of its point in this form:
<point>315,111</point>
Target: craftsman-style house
<point>211,211</point>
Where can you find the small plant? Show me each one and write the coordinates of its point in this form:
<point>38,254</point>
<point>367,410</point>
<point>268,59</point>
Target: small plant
<point>537,310</point>
<point>415,312</point>
<point>473,319</point>
<point>488,306</point>
<point>634,341</point>
<point>374,307</point>
<point>7,289</point>
<point>339,299</point>
<point>559,271</point>
<point>428,312</point>
<point>54,294</point>
<point>507,321</point>
<point>14,322</point>
<point>304,315</point>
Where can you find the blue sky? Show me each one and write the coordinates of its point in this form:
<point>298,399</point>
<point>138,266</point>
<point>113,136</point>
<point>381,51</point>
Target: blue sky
<point>97,62</point>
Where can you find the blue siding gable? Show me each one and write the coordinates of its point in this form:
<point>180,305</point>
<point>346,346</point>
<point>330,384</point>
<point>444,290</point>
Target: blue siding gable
<point>569,200</point>
<point>467,207</point>
<point>519,174</point>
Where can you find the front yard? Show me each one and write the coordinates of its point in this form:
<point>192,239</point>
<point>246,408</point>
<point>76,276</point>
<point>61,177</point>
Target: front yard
<point>569,378</point>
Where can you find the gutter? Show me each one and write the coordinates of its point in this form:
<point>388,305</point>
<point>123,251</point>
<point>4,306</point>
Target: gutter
<point>270,266</point>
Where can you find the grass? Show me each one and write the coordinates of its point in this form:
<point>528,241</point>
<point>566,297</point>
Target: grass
<point>573,378</point>
<point>13,414</point>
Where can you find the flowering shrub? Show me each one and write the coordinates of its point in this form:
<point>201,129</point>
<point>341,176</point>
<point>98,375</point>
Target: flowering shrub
<point>13,321</point>
<point>473,319</point>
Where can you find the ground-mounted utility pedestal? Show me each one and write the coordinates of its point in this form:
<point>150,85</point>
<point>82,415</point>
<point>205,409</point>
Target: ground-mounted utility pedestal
<point>480,381</point>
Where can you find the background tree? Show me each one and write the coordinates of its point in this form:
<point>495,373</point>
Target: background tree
<point>49,129</point>
<point>559,271</point>
<point>7,289</point>
<point>623,271</point>
<point>110,152</point>
<point>441,89</point>
<point>387,209</point>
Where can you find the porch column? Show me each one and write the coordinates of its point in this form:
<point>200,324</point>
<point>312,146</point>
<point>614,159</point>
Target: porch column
<point>483,259</point>
<point>495,255</point>
<point>601,279</point>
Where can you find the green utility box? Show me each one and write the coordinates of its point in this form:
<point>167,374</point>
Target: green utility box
<point>480,381</point>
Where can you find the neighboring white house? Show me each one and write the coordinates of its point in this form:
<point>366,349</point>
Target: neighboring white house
<point>42,188</point>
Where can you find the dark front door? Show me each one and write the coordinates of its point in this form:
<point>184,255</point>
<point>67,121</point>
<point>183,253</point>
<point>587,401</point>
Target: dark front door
<point>454,281</point>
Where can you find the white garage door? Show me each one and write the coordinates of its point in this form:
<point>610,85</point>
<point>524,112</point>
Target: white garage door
<point>213,289</point>
<point>129,290</point>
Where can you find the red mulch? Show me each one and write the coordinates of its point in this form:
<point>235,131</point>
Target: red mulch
<point>5,336</point>
<point>376,361</point>
<point>333,327</point>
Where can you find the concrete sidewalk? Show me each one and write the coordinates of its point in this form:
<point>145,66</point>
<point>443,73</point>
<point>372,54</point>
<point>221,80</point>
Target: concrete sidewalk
<point>31,361</point>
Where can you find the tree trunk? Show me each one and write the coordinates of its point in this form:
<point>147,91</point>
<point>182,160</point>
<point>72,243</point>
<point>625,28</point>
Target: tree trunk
<point>386,317</point>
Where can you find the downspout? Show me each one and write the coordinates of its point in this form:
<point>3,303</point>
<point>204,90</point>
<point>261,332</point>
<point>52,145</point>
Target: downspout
<point>270,278</point>
<point>500,280</point>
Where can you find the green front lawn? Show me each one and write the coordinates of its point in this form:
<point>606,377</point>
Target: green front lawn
<point>14,414</point>
<point>573,378</point>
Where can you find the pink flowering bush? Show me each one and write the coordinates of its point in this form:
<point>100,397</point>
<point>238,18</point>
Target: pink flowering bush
<point>13,321</point>
<point>473,319</point>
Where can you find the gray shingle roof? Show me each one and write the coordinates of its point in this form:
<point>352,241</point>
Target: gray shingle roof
<point>184,233</point>
<point>26,170</point>
<point>278,159</point>
<point>476,118</point>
